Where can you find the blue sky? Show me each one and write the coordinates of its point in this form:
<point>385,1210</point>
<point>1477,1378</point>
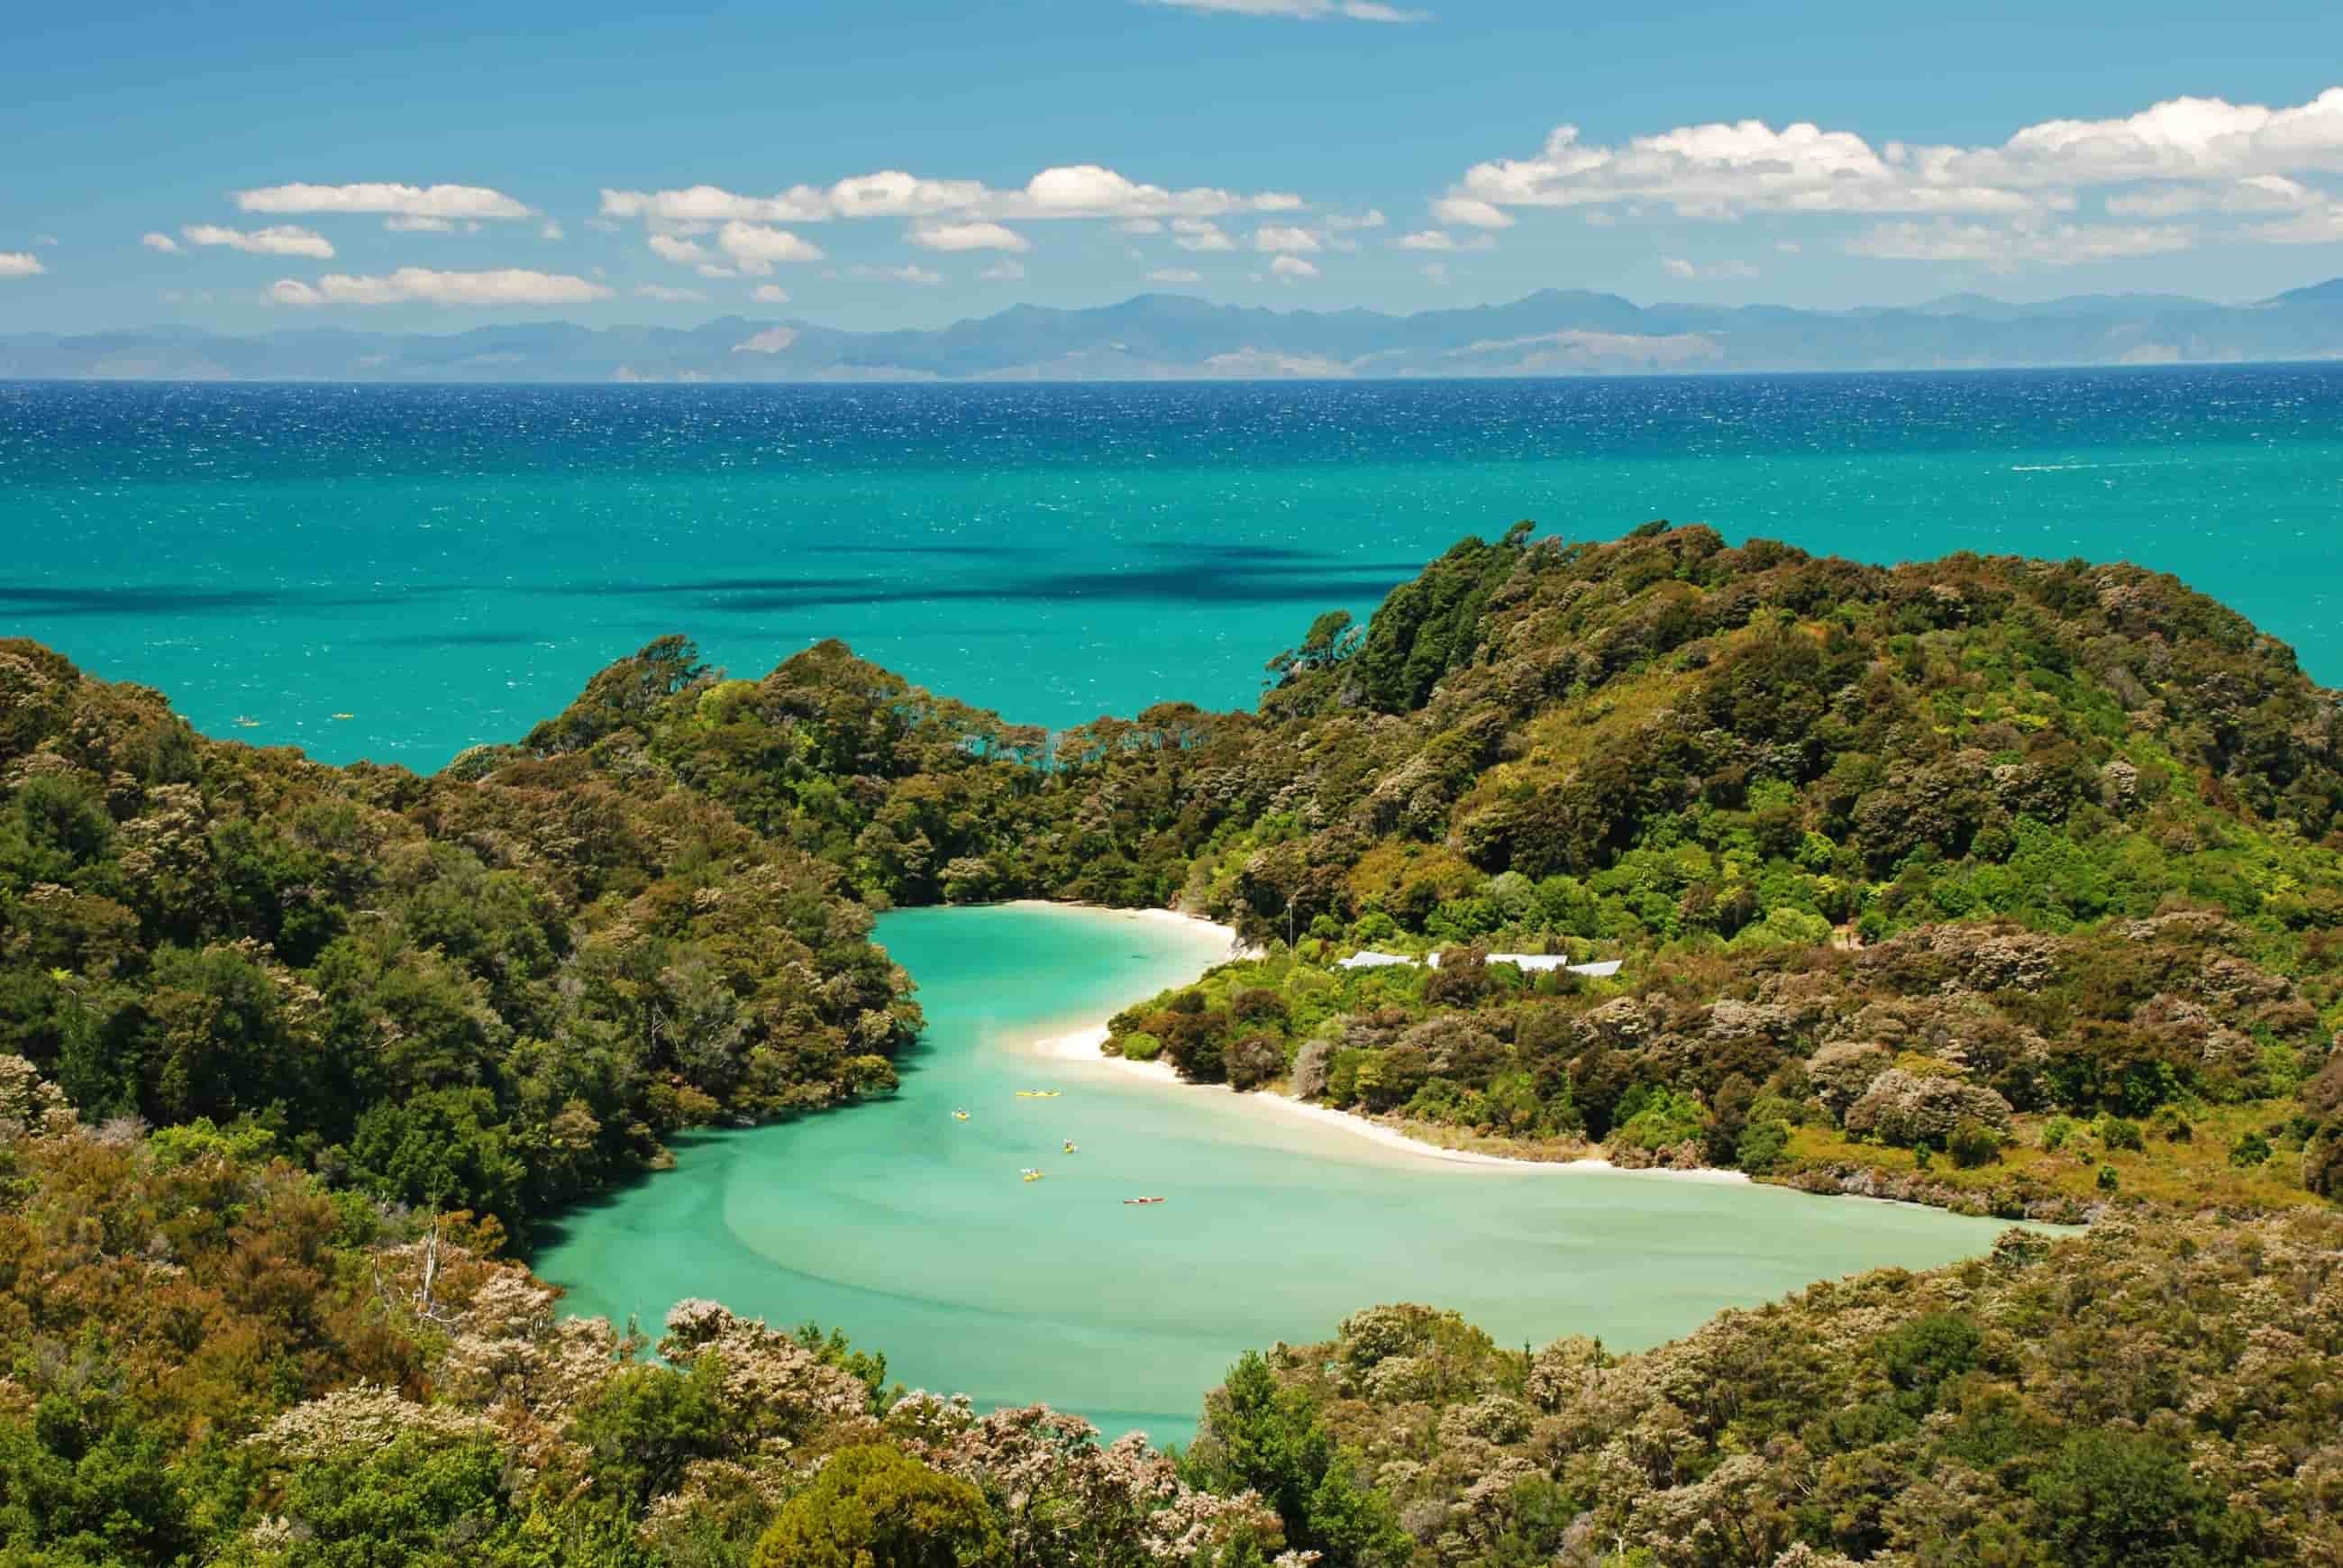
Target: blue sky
<point>429,166</point>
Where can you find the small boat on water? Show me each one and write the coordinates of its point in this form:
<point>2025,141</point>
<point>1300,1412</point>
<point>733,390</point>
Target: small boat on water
<point>960,1116</point>
<point>1070,1146</point>
<point>1038,1093</point>
<point>247,721</point>
<point>1131,1201</point>
<point>1030,1175</point>
<point>345,716</point>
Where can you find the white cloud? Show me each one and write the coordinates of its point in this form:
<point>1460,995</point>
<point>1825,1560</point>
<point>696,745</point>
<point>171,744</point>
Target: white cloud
<point>1292,266</point>
<point>1007,270</point>
<point>2303,229</point>
<point>411,201</point>
<point>1140,226</point>
<point>667,295</point>
<point>2195,154</point>
<point>1677,267</point>
<point>1280,238</point>
<point>1427,240</point>
<point>1175,275</point>
<point>20,263</point>
<point>552,230</point>
<point>1195,234</point>
<point>1437,271</point>
<point>419,285</point>
<point>2004,246</point>
<point>154,240</point>
<point>682,252</point>
<point>976,236</point>
<point>913,274</point>
<point>773,340</point>
<point>1304,10</point>
<point>404,224</point>
<point>1472,212</point>
<point>1371,218</point>
<point>754,249</point>
<point>769,294</point>
<point>2253,194</point>
<point>1065,191</point>
<point>279,239</point>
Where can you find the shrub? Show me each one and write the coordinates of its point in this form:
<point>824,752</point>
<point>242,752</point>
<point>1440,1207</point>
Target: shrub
<point>2108,1179</point>
<point>2114,1133</point>
<point>1973,1144</point>
<point>2172,1126</point>
<point>876,1507</point>
<point>1762,1146</point>
<point>2250,1150</point>
<point>2056,1132</point>
<point>1141,1046</point>
<point>1252,1062</point>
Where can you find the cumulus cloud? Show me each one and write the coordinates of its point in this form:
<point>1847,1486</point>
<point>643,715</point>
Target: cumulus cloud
<point>667,295</point>
<point>1427,240</point>
<point>1343,222</point>
<point>1175,275</point>
<point>1472,212</point>
<point>278,239</point>
<point>552,230</point>
<point>682,252</point>
<point>1677,267</point>
<point>2314,227</point>
<point>1065,191</point>
<point>420,285</point>
<point>918,276</point>
<point>1007,270</point>
<point>20,263</point>
<point>1195,234</point>
<point>1140,226</point>
<point>2008,244</point>
<point>401,223</point>
<point>754,248</point>
<point>976,236</point>
<point>408,201</point>
<point>2002,202</point>
<point>769,294</point>
<point>154,240</point>
<point>1291,268</point>
<point>1284,237</point>
<point>1302,10</point>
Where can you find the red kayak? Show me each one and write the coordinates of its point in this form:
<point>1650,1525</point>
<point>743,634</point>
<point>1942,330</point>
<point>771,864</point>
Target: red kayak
<point>1143,1200</point>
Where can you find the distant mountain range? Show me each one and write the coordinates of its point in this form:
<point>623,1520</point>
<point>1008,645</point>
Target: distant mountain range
<point>1168,337</point>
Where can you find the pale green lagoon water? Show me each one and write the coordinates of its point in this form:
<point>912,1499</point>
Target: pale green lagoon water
<point>914,1233</point>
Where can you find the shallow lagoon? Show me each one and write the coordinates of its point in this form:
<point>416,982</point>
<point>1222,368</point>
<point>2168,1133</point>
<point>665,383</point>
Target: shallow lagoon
<point>914,1232</point>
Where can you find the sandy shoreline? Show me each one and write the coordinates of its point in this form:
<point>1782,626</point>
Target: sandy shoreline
<point>1082,1045</point>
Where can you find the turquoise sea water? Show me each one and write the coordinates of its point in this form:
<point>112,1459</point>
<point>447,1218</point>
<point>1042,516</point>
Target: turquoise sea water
<point>450,564</point>
<point>915,1232</point>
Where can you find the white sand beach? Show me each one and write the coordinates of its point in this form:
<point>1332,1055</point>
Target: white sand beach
<point>1081,1045</point>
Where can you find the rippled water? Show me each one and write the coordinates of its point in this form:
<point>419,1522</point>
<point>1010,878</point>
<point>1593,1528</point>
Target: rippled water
<point>448,565</point>
<point>915,1232</point>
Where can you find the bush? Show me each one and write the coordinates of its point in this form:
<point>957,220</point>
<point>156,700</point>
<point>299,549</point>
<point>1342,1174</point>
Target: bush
<point>2172,1126</point>
<point>2056,1132</point>
<point>2114,1133</point>
<point>1973,1144</point>
<point>1252,1062</point>
<point>2108,1179</point>
<point>875,1507</point>
<point>2250,1150</point>
<point>1762,1147</point>
<point>1141,1046</point>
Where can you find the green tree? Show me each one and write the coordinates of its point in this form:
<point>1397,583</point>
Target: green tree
<point>876,1507</point>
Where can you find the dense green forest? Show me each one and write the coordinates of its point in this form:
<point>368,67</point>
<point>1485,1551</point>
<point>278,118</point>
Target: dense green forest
<point>2007,885</point>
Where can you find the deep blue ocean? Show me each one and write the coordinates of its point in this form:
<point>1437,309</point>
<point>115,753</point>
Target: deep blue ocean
<point>447,565</point>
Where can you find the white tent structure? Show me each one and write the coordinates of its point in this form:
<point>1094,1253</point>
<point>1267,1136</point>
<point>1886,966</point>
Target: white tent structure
<point>1529,963</point>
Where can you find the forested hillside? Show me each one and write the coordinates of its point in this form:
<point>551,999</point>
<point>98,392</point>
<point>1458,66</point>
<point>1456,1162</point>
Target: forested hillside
<point>2002,884</point>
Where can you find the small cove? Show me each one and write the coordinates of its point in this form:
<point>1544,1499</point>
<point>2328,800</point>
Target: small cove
<point>914,1232</point>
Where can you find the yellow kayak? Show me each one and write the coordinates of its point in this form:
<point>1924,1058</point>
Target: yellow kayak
<point>1038,1093</point>
<point>960,1116</point>
<point>1032,1175</point>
